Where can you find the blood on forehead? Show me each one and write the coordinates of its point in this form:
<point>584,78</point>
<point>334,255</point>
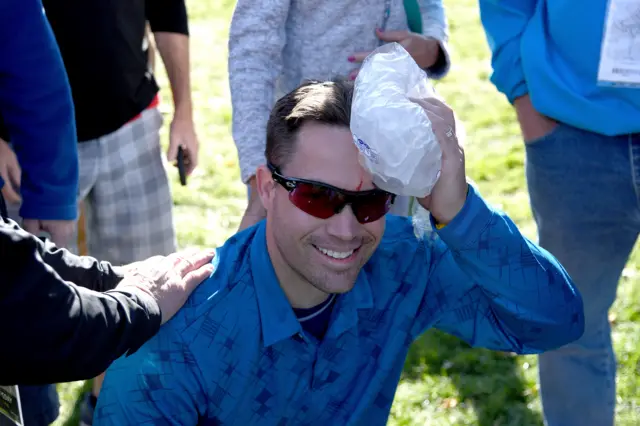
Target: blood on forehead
<point>359,187</point>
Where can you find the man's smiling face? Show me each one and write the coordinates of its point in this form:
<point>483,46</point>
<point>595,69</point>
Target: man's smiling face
<point>326,253</point>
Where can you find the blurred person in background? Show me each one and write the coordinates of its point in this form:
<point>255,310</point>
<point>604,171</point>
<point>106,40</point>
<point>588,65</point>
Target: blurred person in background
<point>572,86</point>
<point>58,331</point>
<point>274,45</point>
<point>37,109</point>
<point>122,181</point>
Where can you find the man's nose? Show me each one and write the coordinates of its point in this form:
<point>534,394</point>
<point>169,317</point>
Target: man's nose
<point>343,225</point>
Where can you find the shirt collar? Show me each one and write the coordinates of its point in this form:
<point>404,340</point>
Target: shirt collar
<point>276,315</point>
<point>277,318</point>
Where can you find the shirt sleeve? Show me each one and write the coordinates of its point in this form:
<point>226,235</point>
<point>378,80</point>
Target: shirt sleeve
<point>80,331</point>
<point>493,288</point>
<point>158,385</point>
<point>37,109</point>
<point>167,16</point>
<point>84,271</point>
<point>434,25</point>
<point>256,40</point>
<point>504,21</point>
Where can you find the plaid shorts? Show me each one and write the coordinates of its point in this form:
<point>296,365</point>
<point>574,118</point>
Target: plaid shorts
<point>124,185</point>
<point>126,194</point>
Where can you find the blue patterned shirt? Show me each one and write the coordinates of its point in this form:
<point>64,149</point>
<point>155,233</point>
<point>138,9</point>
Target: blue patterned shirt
<point>236,354</point>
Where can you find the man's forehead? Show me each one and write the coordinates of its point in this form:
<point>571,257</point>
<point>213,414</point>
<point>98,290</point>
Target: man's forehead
<point>328,154</point>
<point>326,142</point>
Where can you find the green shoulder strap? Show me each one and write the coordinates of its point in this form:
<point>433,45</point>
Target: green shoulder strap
<point>414,17</point>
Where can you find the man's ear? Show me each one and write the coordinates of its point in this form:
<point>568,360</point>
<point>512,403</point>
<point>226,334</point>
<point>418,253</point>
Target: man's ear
<point>266,186</point>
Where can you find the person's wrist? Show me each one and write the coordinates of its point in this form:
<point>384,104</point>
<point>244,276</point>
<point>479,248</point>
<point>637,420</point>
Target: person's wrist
<point>522,102</point>
<point>183,112</point>
<point>144,296</point>
<point>443,218</point>
<point>136,283</point>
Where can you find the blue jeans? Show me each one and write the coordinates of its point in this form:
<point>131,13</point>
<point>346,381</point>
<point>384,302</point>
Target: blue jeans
<point>585,195</point>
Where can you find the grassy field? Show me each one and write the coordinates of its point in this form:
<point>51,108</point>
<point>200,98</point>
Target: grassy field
<point>445,383</point>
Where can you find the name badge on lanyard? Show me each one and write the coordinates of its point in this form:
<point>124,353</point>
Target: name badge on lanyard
<point>10,404</point>
<point>620,52</point>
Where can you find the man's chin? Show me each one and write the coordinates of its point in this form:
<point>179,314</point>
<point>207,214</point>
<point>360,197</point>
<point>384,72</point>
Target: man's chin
<point>337,283</point>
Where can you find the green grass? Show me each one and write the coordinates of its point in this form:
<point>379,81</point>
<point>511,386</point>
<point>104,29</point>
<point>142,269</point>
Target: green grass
<point>444,383</point>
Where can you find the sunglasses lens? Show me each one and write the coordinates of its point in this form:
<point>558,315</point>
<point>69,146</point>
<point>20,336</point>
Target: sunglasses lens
<point>316,200</point>
<point>371,207</point>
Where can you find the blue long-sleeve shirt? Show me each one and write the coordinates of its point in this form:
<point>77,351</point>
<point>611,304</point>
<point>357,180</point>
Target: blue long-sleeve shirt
<point>36,106</point>
<point>551,50</point>
<point>236,354</point>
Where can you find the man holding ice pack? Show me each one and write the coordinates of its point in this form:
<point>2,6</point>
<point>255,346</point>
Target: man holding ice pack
<point>308,316</point>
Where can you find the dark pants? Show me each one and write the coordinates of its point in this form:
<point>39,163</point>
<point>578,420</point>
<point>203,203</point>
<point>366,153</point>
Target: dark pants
<point>40,406</point>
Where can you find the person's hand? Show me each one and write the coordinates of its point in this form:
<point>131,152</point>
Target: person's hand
<point>255,211</point>
<point>168,280</point>
<point>60,231</point>
<point>182,133</point>
<point>424,50</point>
<point>450,191</point>
<point>10,173</point>
<point>532,124</point>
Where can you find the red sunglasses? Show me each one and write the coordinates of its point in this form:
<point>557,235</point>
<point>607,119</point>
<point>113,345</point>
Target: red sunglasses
<point>323,201</point>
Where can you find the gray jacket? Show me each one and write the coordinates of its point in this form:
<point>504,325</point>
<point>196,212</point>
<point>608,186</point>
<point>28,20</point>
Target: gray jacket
<point>276,44</point>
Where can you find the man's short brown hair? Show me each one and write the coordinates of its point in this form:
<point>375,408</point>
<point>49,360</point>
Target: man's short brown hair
<point>327,102</point>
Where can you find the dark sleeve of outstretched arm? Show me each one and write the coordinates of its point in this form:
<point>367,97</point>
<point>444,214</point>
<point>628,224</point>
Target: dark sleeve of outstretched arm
<point>53,330</point>
<point>169,16</point>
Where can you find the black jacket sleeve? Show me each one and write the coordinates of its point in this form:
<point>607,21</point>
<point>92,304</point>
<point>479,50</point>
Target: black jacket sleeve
<point>55,331</point>
<point>83,271</point>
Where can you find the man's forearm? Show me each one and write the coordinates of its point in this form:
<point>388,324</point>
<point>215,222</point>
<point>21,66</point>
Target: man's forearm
<point>523,300</point>
<point>83,271</point>
<point>174,51</point>
<point>57,331</point>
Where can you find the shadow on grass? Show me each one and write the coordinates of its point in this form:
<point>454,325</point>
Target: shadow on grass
<point>487,380</point>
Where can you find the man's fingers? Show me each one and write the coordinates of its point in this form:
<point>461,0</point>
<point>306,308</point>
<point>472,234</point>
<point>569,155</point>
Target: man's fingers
<point>391,36</point>
<point>432,105</point>
<point>202,258</point>
<point>191,159</point>
<point>194,278</point>
<point>437,102</point>
<point>443,110</point>
<point>15,174</point>
<point>359,56</point>
<point>172,152</point>
<point>9,193</point>
<point>193,259</point>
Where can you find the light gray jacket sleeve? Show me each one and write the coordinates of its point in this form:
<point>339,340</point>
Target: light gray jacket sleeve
<point>256,40</point>
<point>434,24</point>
